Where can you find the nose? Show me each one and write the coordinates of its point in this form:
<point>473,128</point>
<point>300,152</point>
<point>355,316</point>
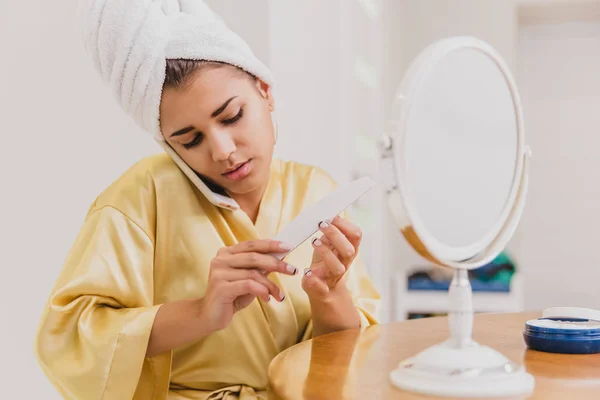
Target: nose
<point>222,146</point>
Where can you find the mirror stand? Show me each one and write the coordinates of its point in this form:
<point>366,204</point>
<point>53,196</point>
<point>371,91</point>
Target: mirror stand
<point>460,314</point>
<point>459,366</point>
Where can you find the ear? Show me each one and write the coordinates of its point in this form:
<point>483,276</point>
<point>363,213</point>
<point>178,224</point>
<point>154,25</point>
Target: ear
<point>265,91</point>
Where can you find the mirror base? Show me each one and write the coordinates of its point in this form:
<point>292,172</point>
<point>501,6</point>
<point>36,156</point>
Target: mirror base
<point>471,370</point>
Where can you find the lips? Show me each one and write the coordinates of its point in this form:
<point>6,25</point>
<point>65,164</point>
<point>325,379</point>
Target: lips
<point>235,168</point>
<point>239,172</point>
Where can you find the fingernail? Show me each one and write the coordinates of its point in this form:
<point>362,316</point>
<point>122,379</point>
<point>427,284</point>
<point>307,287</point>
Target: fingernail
<point>268,298</point>
<point>281,296</point>
<point>285,246</point>
<point>317,242</point>
<point>307,272</point>
<point>291,269</point>
<point>323,224</point>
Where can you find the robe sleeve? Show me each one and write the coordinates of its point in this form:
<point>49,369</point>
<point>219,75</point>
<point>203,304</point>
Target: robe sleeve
<point>93,335</point>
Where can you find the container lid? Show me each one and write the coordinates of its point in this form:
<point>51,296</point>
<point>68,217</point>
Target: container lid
<point>566,321</point>
<point>571,312</point>
<point>563,326</point>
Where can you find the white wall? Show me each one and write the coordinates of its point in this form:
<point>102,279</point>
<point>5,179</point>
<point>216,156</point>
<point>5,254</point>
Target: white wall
<point>250,20</point>
<point>411,25</point>
<point>414,24</point>
<point>305,59</point>
<point>64,140</point>
<point>559,60</point>
<point>328,66</point>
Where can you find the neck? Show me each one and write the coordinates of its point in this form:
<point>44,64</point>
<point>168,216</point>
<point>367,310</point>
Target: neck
<point>250,202</point>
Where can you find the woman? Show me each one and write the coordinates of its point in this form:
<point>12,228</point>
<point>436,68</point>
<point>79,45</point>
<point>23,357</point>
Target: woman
<point>164,295</point>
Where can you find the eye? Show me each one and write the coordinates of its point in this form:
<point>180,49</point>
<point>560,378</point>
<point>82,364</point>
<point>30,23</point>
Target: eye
<point>195,141</point>
<point>235,119</point>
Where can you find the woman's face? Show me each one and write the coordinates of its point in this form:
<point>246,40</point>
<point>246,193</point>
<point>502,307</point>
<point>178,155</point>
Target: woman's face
<point>220,125</point>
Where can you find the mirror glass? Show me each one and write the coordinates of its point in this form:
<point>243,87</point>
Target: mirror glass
<point>461,150</point>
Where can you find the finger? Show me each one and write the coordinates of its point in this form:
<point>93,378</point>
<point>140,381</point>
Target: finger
<point>316,257</point>
<point>337,238</point>
<point>328,243</point>
<point>351,231</point>
<point>259,246</point>
<point>257,260</point>
<point>232,275</point>
<point>313,286</point>
<point>246,287</point>
<point>335,268</point>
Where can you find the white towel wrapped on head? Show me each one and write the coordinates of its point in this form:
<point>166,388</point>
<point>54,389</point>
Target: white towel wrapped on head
<point>129,42</point>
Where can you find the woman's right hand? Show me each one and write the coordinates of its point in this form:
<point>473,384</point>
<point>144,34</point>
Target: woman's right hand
<point>238,274</point>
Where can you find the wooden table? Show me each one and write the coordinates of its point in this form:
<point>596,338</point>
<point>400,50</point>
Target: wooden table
<point>351,365</point>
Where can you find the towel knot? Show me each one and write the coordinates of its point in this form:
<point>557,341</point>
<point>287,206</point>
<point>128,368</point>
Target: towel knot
<point>130,41</point>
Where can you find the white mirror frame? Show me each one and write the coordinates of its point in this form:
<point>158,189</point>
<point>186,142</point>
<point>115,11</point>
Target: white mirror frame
<point>458,366</point>
<point>394,167</point>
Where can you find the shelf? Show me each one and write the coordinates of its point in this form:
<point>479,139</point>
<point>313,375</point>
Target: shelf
<point>436,301</point>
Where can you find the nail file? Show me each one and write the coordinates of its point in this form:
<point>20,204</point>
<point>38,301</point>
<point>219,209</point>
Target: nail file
<point>307,222</point>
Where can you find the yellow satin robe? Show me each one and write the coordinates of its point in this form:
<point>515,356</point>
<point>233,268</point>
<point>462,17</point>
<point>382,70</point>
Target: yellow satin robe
<point>147,240</point>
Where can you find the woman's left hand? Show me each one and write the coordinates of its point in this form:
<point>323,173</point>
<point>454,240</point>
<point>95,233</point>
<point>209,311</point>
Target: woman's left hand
<point>333,254</point>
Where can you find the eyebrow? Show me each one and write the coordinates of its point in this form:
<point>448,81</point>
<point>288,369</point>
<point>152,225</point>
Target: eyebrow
<point>222,108</point>
<point>216,113</point>
<point>182,131</point>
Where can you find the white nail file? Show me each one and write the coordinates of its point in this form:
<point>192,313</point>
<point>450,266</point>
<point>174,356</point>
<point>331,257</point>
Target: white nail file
<point>307,222</point>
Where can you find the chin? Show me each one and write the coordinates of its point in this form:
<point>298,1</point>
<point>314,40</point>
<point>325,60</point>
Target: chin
<point>256,180</point>
<point>245,186</point>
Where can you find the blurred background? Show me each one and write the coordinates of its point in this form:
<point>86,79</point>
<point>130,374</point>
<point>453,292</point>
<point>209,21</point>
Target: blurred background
<point>337,65</point>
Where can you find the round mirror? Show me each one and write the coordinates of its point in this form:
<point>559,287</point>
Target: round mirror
<point>456,169</point>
